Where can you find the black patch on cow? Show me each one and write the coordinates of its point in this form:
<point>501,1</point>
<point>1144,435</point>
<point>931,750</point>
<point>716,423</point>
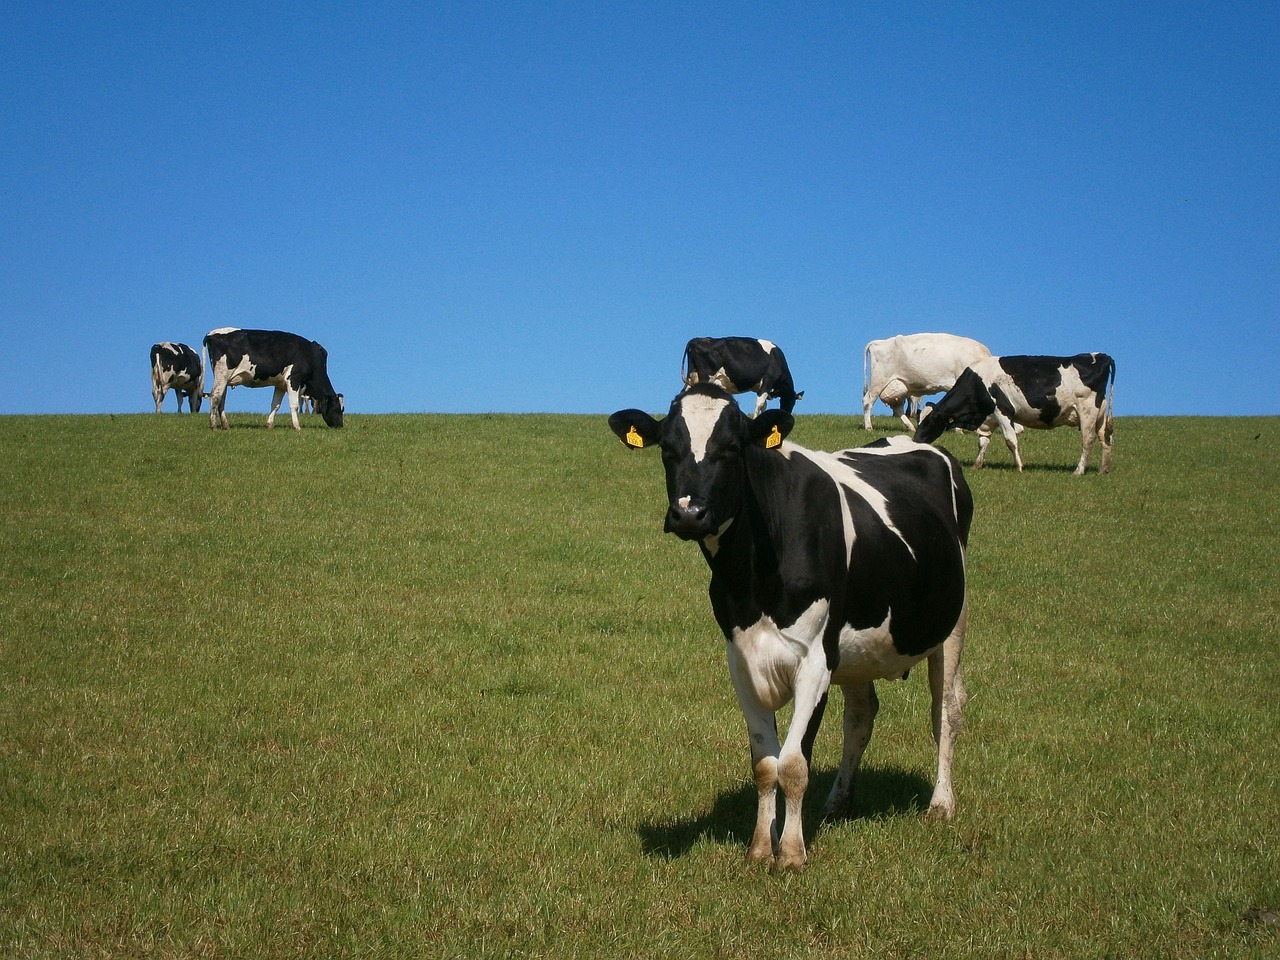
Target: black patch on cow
<point>967,405</point>
<point>1039,379</point>
<point>1094,371</point>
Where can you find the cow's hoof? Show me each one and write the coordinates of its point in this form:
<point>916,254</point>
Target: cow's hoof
<point>793,864</point>
<point>755,854</point>
<point>941,813</point>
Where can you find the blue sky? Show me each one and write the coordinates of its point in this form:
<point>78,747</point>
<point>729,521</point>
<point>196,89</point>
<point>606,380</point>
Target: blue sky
<point>532,206</point>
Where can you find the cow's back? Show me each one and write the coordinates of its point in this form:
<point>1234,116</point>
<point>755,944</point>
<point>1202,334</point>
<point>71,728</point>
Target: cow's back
<point>926,362</point>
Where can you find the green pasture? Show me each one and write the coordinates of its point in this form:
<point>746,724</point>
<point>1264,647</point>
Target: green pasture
<point>438,686</point>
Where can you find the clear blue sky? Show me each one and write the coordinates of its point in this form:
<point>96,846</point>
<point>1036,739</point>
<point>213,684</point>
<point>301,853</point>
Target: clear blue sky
<point>532,206</point>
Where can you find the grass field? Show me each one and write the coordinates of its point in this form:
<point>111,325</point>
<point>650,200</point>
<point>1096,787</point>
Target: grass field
<point>435,686</point>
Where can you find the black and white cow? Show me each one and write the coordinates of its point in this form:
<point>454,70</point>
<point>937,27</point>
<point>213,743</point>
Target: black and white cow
<point>176,367</point>
<point>270,358</point>
<point>741,365</point>
<point>1035,392</point>
<point>841,568</point>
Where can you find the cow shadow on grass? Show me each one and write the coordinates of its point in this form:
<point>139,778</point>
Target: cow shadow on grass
<point>1008,466</point>
<point>878,794</point>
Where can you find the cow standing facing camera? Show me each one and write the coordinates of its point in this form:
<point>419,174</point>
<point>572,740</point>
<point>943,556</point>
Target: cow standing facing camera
<point>841,568</point>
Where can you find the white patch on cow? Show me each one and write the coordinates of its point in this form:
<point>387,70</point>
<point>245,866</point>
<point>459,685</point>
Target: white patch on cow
<point>767,345</point>
<point>764,658</point>
<point>224,330</point>
<point>721,379</point>
<point>713,542</point>
<point>869,654</point>
<point>701,414</point>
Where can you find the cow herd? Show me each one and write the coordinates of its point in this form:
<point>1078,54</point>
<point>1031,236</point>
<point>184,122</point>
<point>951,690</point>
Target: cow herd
<point>826,568</point>
<point>294,366</point>
<point>844,568</point>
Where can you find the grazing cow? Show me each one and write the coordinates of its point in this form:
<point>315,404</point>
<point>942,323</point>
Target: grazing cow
<point>841,568</point>
<point>176,367</point>
<point>911,366</point>
<point>741,365</point>
<point>1035,392</point>
<point>270,358</point>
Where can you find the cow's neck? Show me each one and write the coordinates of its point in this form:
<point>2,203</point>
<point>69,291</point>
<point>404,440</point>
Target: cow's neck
<point>746,572</point>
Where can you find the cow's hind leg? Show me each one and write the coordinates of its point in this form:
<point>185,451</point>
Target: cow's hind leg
<point>947,688</point>
<point>218,406</point>
<point>1104,435</point>
<point>1088,433</point>
<point>860,708</point>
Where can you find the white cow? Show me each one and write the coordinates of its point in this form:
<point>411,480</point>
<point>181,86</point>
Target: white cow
<point>911,366</point>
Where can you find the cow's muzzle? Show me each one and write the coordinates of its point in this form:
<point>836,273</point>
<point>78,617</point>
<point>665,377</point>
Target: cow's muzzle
<point>689,519</point>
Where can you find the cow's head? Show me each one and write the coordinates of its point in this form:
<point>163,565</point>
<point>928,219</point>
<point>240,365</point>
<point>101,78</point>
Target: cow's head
<point>966,405</point>
<point>329,406</point>
<point>706,443</point>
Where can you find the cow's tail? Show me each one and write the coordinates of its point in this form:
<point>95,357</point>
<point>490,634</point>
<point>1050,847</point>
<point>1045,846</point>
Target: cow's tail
<point>204,362</point>
<point>1111,395</point>
<point>866,372</point>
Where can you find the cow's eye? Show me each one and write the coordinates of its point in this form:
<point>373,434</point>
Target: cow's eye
<point>725,451</point>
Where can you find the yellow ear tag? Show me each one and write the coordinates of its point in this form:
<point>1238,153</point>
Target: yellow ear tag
<point>774,439</point>
<point>633,438</point>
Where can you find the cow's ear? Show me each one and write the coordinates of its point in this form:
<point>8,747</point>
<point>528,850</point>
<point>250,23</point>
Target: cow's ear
<point>771,428</point>
<point>635,428</point>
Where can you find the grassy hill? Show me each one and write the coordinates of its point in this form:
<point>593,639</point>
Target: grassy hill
<point>439,686</point>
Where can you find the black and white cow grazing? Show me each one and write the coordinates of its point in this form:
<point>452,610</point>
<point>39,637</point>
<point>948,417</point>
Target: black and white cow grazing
<point>741,365</point>
<point>270,358</point>
<point>1034,392</point>
<point>841,568</point>
<point>176,367</point>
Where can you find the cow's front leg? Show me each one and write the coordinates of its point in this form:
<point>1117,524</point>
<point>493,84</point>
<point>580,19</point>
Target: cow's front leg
<point>812,683</point>
<point>276,396</point>
<point>762,727</point>
<point>1009,430</point>
<point>295,402</point>
<point>984,441</point>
